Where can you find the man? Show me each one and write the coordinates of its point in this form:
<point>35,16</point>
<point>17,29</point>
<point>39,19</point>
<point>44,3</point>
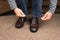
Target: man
<point>20,9</point>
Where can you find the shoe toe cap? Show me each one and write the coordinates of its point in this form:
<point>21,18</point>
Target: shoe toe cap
<point>18,26</point>
<point>33,29</point>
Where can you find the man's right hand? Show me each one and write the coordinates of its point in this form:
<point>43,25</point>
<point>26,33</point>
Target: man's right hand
<point>19,12</point>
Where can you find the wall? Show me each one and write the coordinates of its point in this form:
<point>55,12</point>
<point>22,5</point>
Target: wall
<point>3,6</point>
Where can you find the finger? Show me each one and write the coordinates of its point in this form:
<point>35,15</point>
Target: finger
<point>22,13</point>
<point>48,18</point>
<point>19,14</point>
<point>44,16</point>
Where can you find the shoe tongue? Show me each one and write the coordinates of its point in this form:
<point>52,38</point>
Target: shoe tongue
<point>34,20</point>
<point>35,17</point>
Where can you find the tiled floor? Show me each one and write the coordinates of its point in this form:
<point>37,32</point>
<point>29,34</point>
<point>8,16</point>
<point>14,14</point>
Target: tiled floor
<point>49,30</point>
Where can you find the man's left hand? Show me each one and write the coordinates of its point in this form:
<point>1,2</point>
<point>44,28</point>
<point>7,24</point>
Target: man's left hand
<point>47,16</point>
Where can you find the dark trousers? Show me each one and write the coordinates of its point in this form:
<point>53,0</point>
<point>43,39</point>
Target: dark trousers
<point>36,7</point>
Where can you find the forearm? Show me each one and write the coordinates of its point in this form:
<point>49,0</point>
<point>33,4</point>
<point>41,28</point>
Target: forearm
<point>52,7</point>
<point>12,4</point>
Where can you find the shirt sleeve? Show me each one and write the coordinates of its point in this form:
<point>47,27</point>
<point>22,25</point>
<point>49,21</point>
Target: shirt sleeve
<point>52,6</point>
<point>12,4</point>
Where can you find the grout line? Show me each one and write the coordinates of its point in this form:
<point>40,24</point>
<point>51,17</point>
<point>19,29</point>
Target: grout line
<point>10,26</point>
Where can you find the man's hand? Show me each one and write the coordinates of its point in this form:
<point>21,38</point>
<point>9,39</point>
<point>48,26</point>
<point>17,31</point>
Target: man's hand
<point>47,16</point>
<point>19,12</point>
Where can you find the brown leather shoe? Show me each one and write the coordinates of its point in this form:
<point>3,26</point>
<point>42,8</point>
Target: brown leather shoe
<point>34,26</point>
<point>20,22</point>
